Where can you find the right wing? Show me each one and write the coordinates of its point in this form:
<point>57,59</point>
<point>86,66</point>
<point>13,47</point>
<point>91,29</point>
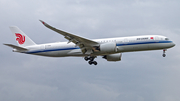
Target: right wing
<point>86,45</point>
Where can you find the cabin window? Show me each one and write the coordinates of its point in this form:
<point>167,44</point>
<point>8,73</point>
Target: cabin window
<point>166,39</point>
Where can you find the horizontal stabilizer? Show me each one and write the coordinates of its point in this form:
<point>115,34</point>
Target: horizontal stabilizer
<point>16,47</point>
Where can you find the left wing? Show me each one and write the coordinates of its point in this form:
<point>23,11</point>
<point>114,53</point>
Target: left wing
<point>86,45</point>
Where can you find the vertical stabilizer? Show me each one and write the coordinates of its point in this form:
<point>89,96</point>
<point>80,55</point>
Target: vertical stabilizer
<point>22,39</point>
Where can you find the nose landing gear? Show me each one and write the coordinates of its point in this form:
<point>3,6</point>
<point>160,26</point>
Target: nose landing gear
<point>164,55</point>
<point>91,60</point>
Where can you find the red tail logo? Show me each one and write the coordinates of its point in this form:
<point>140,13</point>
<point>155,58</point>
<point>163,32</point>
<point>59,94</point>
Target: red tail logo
<point>20,38</point>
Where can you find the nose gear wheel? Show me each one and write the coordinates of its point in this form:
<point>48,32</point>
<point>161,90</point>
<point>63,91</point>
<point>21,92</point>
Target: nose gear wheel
<point>164,55</point>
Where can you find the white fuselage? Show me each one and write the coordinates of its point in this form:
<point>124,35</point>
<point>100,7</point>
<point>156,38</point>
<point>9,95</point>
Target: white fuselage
<point>123,44</point>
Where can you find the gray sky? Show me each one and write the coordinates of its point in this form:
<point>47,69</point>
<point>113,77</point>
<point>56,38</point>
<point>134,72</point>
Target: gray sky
<point>140,76</point>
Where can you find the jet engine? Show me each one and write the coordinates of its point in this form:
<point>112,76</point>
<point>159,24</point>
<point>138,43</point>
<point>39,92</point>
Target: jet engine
<point>108,47</point>
<point>113,57</point>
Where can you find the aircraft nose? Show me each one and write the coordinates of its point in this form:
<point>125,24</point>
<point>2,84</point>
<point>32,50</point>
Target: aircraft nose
<point>172,44</point>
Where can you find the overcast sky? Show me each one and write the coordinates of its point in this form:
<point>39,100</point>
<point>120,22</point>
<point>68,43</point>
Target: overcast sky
<point>140,76</point>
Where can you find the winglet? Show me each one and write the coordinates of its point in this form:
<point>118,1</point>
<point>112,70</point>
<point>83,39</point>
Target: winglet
<point>43,22</point>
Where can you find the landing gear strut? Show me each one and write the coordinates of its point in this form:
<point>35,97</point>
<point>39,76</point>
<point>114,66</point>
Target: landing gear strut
<point>164,55</point>
<point>91,60</point>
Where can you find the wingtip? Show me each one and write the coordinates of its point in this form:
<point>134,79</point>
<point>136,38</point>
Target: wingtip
<point>42,22</point>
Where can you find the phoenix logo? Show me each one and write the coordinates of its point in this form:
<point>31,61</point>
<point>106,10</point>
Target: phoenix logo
<point>20,38</point>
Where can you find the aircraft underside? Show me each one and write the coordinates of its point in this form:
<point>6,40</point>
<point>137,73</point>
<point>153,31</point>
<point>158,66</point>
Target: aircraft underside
<point>113,56</point>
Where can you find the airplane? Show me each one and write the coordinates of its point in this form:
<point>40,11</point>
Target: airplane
<point>110,49</point>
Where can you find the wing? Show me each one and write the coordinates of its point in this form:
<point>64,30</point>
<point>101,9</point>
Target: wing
<point>86,45</point>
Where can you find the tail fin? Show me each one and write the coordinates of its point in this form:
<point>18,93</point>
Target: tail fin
<point>22,39</point>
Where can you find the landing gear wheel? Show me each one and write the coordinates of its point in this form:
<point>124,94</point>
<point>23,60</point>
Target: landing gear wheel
<point>95,63</point>
<point>164,51</point>
<point>164,55</point>
<point>86,58</point>
<point>91,58</point>
<point>90,62</point>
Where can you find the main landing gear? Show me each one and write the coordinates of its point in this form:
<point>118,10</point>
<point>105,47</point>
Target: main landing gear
<point>164,55</point>
<point>91,60</point>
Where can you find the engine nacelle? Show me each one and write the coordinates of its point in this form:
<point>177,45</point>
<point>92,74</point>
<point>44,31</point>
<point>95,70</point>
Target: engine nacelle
<point>113,57</point>
<point>108,47</point>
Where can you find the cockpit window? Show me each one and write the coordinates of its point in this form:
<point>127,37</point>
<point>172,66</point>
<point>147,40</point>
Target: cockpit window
<point>166,39</point>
